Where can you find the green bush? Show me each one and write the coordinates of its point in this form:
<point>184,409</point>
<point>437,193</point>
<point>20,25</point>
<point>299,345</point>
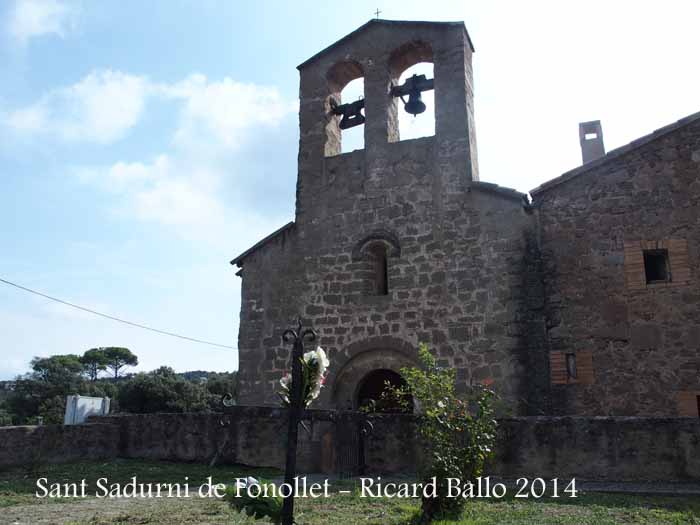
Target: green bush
<point>457,433</point>
<point>161,391</point>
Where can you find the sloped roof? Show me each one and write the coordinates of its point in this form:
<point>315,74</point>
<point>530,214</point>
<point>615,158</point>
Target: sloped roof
<point>378,21</point>
<point>502,191</point>
<point>238,260</point>
<point>616,153</point>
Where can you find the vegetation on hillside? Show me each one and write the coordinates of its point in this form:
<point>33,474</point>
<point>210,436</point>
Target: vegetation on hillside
<point>40,395</point>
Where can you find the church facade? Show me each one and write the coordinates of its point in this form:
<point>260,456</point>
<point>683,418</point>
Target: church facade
<point>581,299</point>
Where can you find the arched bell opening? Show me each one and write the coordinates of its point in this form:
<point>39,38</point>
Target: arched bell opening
<point>371,392</point>
<point>345,108</point>
<point>412,74</point>
<point>421,124</point>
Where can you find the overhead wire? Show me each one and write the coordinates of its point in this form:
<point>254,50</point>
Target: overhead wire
<point>113,318</point>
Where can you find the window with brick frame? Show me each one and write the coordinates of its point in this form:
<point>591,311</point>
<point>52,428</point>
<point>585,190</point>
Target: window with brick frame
<point>571,367</point>
<point>656,264</point>
<point>688,403</point>
<point>656,267</point>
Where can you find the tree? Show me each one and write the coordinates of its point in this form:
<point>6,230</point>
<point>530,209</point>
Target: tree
<point>94,361</point>
<point>56,368</point>
<point>118,358</point>
<point>161,390</point>
<point>43,391</point>
<point>218,385</point>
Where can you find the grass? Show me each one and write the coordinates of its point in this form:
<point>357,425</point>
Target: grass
<point>19,505</point>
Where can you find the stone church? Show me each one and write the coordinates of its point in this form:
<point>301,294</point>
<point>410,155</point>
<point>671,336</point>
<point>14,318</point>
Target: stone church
<point>581,298</point>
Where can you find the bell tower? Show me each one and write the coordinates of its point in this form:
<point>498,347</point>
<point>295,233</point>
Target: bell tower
<point>329,182</point>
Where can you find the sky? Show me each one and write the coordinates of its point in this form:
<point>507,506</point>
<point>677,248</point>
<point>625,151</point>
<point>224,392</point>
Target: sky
<point>143,145</point>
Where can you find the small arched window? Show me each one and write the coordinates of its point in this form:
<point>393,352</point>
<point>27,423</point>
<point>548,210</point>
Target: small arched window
<point>378,260</point>
<point>376,251</point>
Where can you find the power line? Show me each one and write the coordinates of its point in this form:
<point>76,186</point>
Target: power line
<point>137,325</point>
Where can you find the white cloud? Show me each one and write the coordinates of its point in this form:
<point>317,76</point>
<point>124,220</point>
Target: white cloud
<point>223,111</point>
<point>100,108</point>
<point>172,191</point>
<point>104,105</point>
<point>33,18</point>
<point>181,187</point>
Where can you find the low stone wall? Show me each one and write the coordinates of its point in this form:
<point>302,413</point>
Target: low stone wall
<point>599,448</point>
<point>252,436</point>
<point>36,445</point>
<point>593,448</point>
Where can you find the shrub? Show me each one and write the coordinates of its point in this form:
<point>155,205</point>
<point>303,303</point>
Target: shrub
<point>161,391</point>
<point>457,433</point>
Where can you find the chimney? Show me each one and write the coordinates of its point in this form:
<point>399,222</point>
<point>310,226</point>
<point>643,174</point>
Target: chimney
<point>591,136</point>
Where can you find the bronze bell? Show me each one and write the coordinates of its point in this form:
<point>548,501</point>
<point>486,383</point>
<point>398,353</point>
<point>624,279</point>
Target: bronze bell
<point>351,113</point>
<point>415,104</point>
<point>351,119</point>
<point>413,86</point>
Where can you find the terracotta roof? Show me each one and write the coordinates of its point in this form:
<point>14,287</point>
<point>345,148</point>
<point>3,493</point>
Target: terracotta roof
<point>616,153</point>
<point>376,21</point>
<point>238,260</point>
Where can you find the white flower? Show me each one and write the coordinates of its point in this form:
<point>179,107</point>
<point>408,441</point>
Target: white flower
<point>286,379</point>
<point>319,363</point>
<point>320,357</point>
<point>244,483</point>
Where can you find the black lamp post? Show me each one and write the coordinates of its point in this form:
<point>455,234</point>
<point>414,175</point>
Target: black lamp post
<point>295,411</point>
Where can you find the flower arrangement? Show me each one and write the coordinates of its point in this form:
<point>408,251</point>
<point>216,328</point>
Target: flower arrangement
<point>314,367</point>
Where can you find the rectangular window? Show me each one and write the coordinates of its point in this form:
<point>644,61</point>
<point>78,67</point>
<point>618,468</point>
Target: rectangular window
<point>571,366</point>
<point>656,267</point>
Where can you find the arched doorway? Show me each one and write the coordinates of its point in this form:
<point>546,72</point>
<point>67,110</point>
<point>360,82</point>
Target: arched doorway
<point>370,389</point>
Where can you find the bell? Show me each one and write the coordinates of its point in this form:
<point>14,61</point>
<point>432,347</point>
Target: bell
<point>351,113</point>
<point>351,120</point>
<point>415,104</point>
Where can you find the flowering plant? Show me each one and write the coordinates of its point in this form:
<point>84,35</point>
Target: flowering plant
<point>314,367</point>
<point>458,432</point>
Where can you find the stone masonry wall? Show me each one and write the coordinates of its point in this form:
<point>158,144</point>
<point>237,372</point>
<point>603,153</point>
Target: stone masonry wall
<point>600,448</point>
<point>457,285</point>
<point>455,274</point>
<point>36,445</point>
<point>642,341</point>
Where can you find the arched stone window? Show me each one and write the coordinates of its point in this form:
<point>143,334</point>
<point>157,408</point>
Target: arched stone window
<point>378,258</point>
<point>345,85</point>
<point>412,58</point>
<point>376,250</point>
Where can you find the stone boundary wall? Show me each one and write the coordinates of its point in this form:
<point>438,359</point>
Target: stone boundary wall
<point>590,448</point>
<point>36,445</point>
<point>599,448</point>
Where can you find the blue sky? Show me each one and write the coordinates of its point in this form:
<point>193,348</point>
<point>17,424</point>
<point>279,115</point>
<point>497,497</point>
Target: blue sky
<point>144,144</point>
